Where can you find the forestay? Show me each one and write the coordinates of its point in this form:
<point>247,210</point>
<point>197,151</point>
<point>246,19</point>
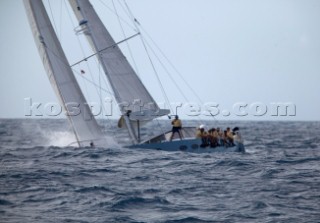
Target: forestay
<point>62,78</point>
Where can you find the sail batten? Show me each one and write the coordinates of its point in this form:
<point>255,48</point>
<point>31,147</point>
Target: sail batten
<point>61,77</point>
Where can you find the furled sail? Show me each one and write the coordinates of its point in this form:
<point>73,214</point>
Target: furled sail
<point>62,79</point>
<point>128,89</point>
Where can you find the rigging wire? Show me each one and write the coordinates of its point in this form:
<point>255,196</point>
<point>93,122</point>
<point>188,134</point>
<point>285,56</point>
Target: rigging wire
<point>99,87</point>
<point>170,76</point>
<point>171,64</point>
<point>167,71</point>
<point>93,82</point>
<point>125,9</point>
<point>123,20</point>
<point>52,17</point>
<point>173,81</point>
<point>78,73</point>
<point>175,69</point>
<point>149,57</point>
<point>157,75</point>
<point>113,130</point>
<point>167,59</point>
<point>124,35</point>
<point>111,46</point>
<point>54,24</point>
<point>130,15</point>
<point>103,78</point>
<point>82,50</point>
<point>123,32</point>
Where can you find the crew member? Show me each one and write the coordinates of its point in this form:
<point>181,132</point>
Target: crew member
<point>203,135</point>
<point>176,127</point>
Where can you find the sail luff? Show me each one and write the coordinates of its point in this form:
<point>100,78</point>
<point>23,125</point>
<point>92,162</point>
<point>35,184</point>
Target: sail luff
<point>61,77</point>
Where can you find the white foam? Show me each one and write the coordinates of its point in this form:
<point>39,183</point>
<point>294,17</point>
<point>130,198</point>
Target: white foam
<point>61,139</point>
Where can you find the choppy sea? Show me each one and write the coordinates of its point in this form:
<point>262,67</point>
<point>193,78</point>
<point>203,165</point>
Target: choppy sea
<point>44,180</point>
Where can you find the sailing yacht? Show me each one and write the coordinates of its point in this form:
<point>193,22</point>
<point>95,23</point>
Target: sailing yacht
<point>128,89</point>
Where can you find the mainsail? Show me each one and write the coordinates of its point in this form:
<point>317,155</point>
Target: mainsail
<point>136,103</point>
<point>62,79</point>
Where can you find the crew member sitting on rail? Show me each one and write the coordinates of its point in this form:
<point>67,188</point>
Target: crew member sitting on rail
<point>220,137</point>
<point>176,127</point>
<point>203,135</point>
<point>213,138</point>
<point>230,137</point>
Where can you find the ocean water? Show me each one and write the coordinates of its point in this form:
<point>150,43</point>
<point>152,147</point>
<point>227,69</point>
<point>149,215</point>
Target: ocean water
<point>43,180</point>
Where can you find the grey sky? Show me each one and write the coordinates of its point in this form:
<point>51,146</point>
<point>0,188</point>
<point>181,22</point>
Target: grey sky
<point>229,51</point>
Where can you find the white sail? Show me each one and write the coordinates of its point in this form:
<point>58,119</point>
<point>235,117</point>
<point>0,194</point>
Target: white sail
<point>62,79</point>
<point>128,88</point>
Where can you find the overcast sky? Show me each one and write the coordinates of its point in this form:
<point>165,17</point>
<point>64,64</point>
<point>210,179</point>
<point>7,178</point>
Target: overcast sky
<point>229,51</point>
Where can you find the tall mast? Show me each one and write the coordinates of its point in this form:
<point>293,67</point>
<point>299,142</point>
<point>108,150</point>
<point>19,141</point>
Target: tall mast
<point>126,85</point>
<point>62,79</point>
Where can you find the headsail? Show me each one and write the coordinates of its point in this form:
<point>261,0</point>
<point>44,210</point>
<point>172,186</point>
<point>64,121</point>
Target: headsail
<point>62,79</point>
<point>127,87</point>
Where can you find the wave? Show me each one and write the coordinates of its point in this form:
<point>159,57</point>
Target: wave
<point>93,189</point>
<point>297,161</point>
<point>278,180</point>
<point>131,202</point>
<point>190,220</point>
<point>5,202</point>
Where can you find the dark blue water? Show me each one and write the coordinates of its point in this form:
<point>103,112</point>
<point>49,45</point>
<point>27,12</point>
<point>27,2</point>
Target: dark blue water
<point>276,180</point>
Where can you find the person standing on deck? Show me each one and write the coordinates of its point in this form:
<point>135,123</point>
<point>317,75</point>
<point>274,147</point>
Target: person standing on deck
<point>176,127</point>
